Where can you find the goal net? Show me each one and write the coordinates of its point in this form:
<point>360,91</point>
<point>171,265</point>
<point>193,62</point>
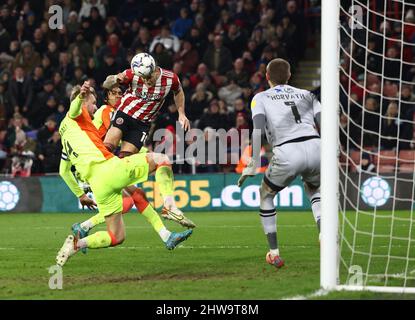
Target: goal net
<point>376,156</point>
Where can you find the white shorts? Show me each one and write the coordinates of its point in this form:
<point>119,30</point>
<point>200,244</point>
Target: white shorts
<point>294,159</point>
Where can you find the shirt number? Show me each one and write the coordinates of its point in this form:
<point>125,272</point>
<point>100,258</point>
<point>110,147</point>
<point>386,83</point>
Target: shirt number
<point>69,150</point>
<point>294,110</point>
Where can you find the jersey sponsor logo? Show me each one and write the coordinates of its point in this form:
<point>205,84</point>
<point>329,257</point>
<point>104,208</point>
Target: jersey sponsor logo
<point>148,96</point>
<point>119,121</point>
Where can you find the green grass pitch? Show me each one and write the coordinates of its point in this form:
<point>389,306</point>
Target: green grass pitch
<point>223,259</point>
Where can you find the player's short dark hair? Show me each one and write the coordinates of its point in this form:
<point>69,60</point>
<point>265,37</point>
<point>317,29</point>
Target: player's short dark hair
<point>77,90</point>
<point>278,71</point>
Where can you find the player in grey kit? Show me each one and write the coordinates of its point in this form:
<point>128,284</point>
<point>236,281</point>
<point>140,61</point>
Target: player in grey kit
<point>290,118</point>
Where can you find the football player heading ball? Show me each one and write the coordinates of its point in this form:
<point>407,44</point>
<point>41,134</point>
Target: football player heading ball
<point>139,106</point>
<point>149,86</point>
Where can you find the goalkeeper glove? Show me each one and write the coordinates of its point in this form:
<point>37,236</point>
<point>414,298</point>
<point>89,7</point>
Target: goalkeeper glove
<point>88,202</point>
<point>249,171</point>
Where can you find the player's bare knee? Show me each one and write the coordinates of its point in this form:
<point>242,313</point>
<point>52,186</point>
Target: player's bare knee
<point>265,191</point>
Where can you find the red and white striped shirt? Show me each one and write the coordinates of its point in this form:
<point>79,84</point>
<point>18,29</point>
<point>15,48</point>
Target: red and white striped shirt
<point>142,102</point>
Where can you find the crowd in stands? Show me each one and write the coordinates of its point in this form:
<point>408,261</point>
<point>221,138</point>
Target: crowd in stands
<point>377,93</point>
<point>218,48</point>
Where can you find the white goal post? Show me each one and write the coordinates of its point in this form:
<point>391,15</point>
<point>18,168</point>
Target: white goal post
<point>368,213</point>
<point>329,141</point>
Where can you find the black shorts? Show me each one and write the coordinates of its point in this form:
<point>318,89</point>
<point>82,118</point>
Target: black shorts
<point>133,131</point>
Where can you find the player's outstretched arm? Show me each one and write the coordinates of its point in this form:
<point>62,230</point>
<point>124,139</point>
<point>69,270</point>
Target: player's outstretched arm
<point>75,109</point>
<point>67,176</point>
<point>112,80</point>
<point>259,121</point>
<point>179,101</point>
<point>250,169</point>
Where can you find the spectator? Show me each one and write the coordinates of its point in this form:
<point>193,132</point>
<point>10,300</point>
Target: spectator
<point>188,57</point>
<point>73,25</point>
<point>198,77</point>
<point>369,122</point>
<point>5,39</point>
<point>234,40</point>
<point>21,34</point>
<point>344,131</point>
<point>21,92</point>
<point>168,118</point>
<point>15,132</point>
<point>277,49</point>
<point>238,74</point>
<point>129,11</point>
<point>87,5</point>
<point>199,102</point>
<point>389,127</point>
<point>78,60</point>
<point>300,35</point>
<point>142,41</point>
<point>217,57</point>
<point>46,132</point>
<point>170,42</point>
<point>193,8</point>
<point>248,17</point>
<point>392,63</point>
<point>37,79</point>
<point>53,54</point>
<point>111,26</point>
<point>6,19</point>
<point>39,43</point>
<point>200,24</point>
<point>212,118</point>
<point>366,165</point>
<point>60,112</point>
<point>66,68</point>
<point>50,153</point>
<point>85,49</point>
<point>4,104</point>
<point>239,106</point>
<point>210,162</point>
<point>162,56</point>
<point>59,84</point>
<point>173,9</point>
<point>109,67</point>
<point>153,14</point>
<point>113,48</point>
<point>79,77</point>
<point>198,41</point>
<point>230,92</point>
<point>182,24</point>
<point>407,112</point>
<point>63,40</point>
<point>96,22</point>
<point>44,105</point>
<point>27,58</point>
<point>97,45</point>
<point>241,125</point>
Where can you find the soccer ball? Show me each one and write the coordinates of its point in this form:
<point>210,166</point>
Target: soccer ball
<point>143,65</point>
<point>9,196</point>
<point>375,192</point>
